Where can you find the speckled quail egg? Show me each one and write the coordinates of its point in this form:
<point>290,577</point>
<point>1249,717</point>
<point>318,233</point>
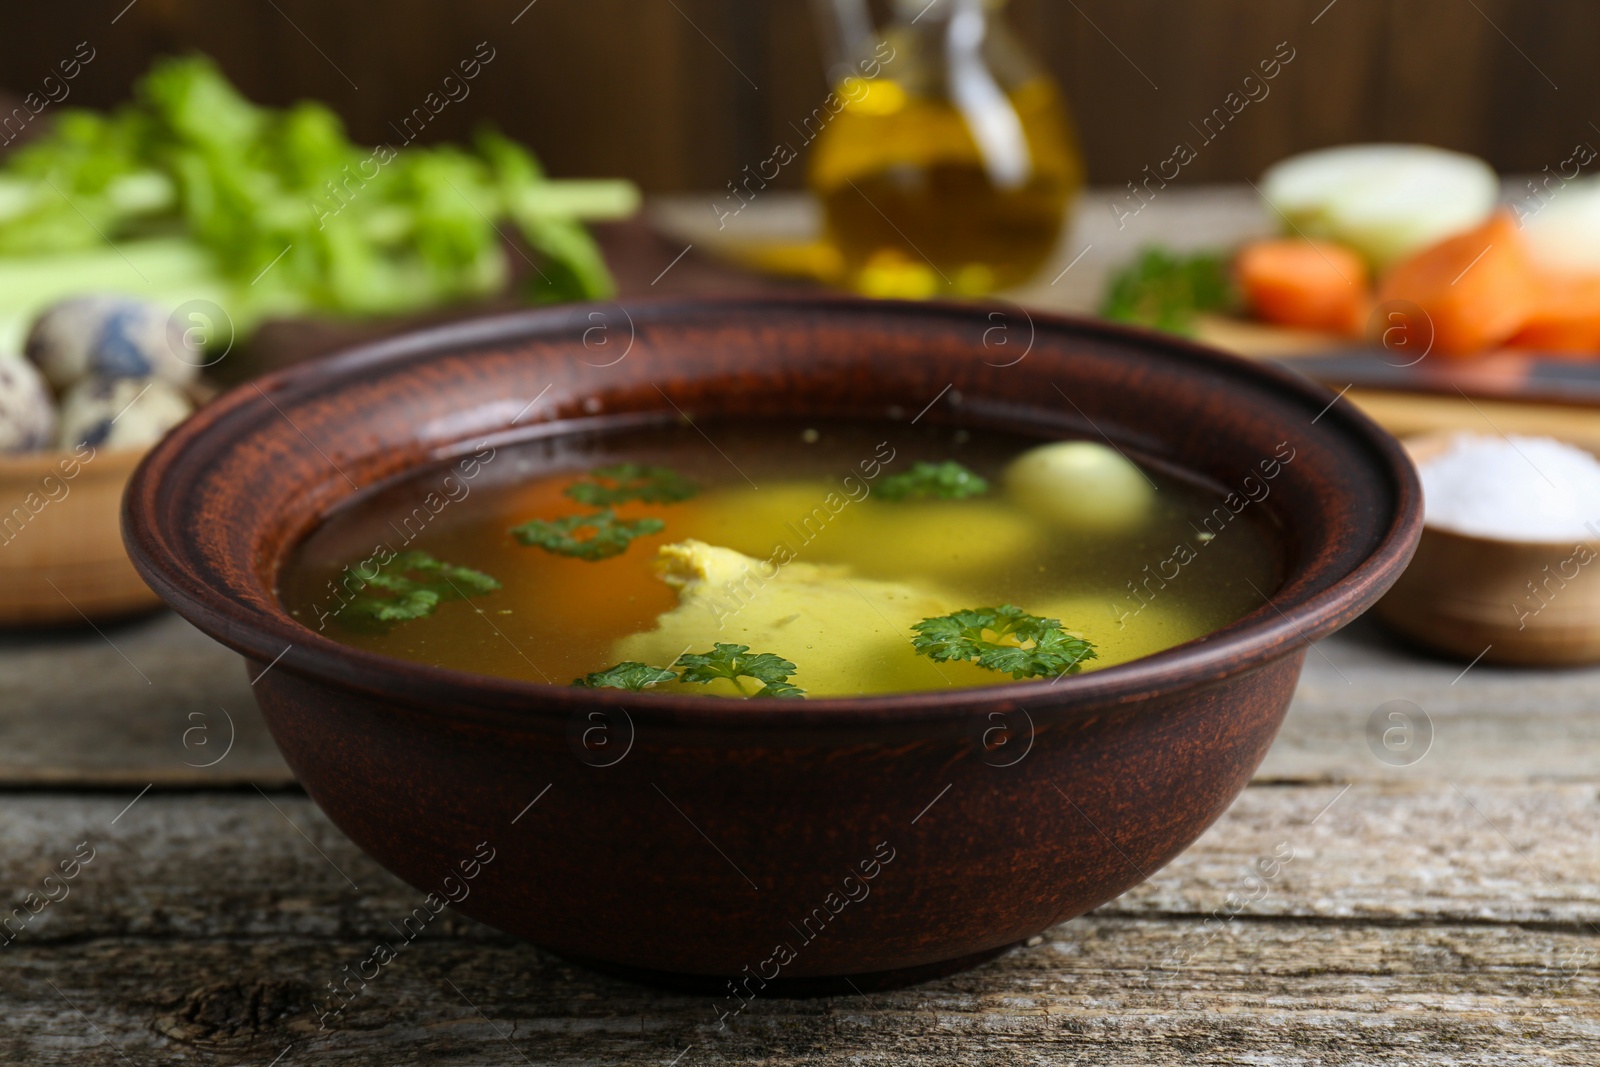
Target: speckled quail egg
<point>1080,485</point>
<point>62,335</point>
<point>108,337</point>
<point>27,413</point>
<point>116,413</point>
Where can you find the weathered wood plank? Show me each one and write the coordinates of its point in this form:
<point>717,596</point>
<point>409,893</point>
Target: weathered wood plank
<point>1101,991</point>
<point>1486,723</point>
<point>77,713</point>
<point>143,701</point>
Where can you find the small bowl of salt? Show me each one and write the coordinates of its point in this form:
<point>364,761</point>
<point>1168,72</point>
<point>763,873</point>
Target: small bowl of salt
<point>1508,568</point>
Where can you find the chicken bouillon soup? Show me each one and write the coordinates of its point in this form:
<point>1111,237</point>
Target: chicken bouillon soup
<point>786,560</point>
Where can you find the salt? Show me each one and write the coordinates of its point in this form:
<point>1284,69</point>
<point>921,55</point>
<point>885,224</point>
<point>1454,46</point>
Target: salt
<point>1514,489</point>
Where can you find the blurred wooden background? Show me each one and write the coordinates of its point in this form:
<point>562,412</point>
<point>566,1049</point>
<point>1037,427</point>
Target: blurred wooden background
<point>680,94</point>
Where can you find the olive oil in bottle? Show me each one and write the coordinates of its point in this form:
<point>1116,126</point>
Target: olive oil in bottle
<point>950,170</point>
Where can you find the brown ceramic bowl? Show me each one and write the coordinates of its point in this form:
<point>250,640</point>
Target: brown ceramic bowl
<point>715,838</point>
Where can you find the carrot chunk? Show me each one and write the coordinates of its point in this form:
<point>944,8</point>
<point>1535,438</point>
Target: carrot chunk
<point>1477,288</point>
<point>1567,318</point>
<point>1313,285</point>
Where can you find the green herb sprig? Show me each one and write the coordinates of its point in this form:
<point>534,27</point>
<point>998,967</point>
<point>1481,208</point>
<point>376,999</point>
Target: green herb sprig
<point>624,482</point>
<point>1005,639</point>
<point>933,481</point>
<point>409,587</point>
<point>732,662</point>
<point>608,535</point>
<point>629,674</point>
<point>1165,290</point>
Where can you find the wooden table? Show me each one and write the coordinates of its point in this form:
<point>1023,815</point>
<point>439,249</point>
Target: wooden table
<point>1436,898</point>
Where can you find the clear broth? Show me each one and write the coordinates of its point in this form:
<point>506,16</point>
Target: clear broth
<point>556,618</point>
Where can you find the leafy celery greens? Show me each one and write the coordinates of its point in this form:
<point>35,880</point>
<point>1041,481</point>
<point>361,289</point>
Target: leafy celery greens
<point>1166,290</point>
<point>608,535</point>
<point>733,662</point>
<point>344,227</point>
<point>409,587</point>
<point>624,482</point>
<point>933,481</point>
<point>1004,639</point>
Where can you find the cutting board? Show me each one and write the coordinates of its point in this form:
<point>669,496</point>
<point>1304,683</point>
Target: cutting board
<point>1500,393</point>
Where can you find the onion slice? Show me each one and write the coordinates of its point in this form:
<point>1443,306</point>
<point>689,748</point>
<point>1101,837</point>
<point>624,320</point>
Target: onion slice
<point>1563,231</point>
<point>1386,201</point>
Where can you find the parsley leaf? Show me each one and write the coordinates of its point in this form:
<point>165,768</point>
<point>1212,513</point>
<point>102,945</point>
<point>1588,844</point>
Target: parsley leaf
<point>939,481</point>
<point>734,662</point>
<point>1166,290</point>
<point>622,482</point>
<point>410,586</point>
<point>610,537</point>
<point>630,675</point>
<point>1036,647</point>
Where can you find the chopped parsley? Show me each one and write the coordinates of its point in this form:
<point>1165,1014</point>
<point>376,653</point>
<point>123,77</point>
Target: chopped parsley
<point>733,662</point>
<point>624,482</point>
<point>1003,639</point>
<point>630,675</point>
<point>1165,290</point>
<point>608,536</point>
<point>933,481</point>
<point>410,586</point>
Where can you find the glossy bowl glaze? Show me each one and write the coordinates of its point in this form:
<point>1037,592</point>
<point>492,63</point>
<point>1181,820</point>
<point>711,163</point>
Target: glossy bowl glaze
<point>776,844</point>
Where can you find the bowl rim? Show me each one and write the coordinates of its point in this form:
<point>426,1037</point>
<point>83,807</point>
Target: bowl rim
<point>274,637</point>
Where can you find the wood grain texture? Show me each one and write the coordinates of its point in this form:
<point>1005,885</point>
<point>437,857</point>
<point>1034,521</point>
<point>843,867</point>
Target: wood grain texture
<point>1273,993</point>
<point>682,94</point>
<point>116,710</point>
<point>1403,926</point>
